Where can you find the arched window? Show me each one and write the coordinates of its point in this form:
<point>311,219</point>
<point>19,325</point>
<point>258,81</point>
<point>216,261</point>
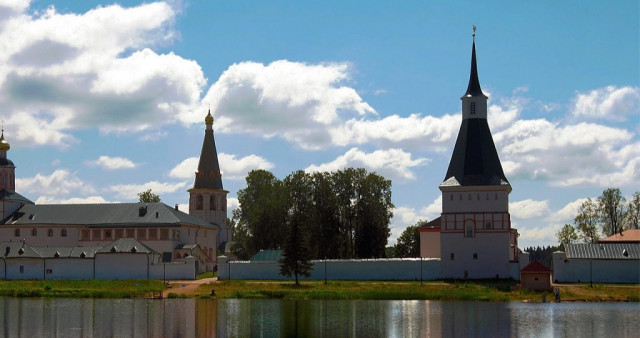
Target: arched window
<point>199,202</point>
<point>34,232</point>
<point>469,228</point>
<point>212,202</point>
<point>50,232</point>
<point>16,232</point>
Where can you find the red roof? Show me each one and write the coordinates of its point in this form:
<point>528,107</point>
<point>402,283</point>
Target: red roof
<point>535,266</point>
<point>630,235</point>
<point>434,226</point>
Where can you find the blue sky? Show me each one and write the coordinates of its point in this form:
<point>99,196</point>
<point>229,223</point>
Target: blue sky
<point>102,100</point>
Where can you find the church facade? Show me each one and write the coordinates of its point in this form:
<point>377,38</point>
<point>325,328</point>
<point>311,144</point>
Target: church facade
<point>474,231</point>
<point>173,234</point>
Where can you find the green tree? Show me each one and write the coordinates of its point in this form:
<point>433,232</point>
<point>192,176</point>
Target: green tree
<point>326,226</point>
<point>148,197</point>
<point>633,211</point>
<point>567,234</point>
<point>262,212</point>
<point>241,237</point>
<point>409,241</point>
<point>296,253</point>
<point>374,212</point>
<point>346,190</point>
<point>612,211</point>
<point>586,221</point>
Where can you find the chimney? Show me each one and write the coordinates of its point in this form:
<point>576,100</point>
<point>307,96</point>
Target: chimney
<point>142,211</point>
<point>176,206</point>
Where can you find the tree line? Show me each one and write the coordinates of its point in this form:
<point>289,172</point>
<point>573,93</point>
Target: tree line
<point>609,214</point>
<point>335,215</point>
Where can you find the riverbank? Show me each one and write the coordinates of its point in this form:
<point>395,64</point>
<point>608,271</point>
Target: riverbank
<point>495,291</point>
<point>81,288</point>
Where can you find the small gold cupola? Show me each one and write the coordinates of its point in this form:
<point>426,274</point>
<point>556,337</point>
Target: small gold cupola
<point>209,118</point>
<point>4,145</point>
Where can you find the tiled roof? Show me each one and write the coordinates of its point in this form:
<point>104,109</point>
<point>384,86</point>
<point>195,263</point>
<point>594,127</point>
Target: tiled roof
<point>535,266</point>
<point>432,225</point>
<point>208,176</point>
<point>475,160</point>
<point>125,245</point>
<point>629,235</point>
<point>66,251</point>
<point>13,196</point>
<point>17,250</point>
<point>97,215</point>
<point>603,251</point>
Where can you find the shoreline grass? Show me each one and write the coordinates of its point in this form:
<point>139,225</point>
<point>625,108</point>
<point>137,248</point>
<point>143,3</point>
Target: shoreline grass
<point>81,288</point>
<point>492,291</point>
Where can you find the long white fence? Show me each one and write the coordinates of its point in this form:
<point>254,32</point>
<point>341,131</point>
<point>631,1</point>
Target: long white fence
<point>344,269</point>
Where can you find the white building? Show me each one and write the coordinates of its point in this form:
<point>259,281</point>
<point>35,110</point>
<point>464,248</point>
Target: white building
<point>475,235</point>
<point>164,229</point>
<point>604,262</point>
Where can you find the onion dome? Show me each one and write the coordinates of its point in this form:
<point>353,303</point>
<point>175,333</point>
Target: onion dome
<point>4,145</point>
<point>209,118</point>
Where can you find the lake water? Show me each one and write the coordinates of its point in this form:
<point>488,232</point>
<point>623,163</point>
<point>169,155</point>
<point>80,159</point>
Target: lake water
<point>24,317</point>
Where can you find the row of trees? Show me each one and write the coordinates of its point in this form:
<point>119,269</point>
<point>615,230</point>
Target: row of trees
<point>342,214</point>
<point>408,244</point>
<point>608,214</point>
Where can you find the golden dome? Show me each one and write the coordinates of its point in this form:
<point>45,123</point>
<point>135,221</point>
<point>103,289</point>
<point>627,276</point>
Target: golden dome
<point>4,145</point>
<point>209,118</point>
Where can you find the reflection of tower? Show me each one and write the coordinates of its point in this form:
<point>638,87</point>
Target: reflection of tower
<point>476,236</point>
<point>207,198</point>
<point>7,169</point>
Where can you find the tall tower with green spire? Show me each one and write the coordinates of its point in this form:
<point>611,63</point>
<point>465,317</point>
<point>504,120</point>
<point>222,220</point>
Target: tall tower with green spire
<point>207,198</point>
<point>477,240</point>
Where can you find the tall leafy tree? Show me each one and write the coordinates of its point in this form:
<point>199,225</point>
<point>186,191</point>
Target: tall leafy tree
<point>567,234</point>
<point>374,212</point>
<point>296,253</point>
<point>346,190</point>
<point>612,211</point>
<point>148,197</point>
<point>262,211</point>
<point>409,241</point>
<point>586,221</point>
<point>326,226</point>
<point>633,211</point>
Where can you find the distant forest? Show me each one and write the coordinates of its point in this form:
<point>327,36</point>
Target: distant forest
<point>543,255</point>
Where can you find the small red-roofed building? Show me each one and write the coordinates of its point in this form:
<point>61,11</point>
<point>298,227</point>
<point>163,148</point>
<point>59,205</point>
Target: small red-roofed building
<point>626,236</point>
<point>430,238</point>
<point>535,276</point>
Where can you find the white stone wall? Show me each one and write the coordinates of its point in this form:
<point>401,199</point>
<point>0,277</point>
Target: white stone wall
<point>122,265</point>
<point>68,268</point>
<point>492,250</point>
<point>369,269</point>
<point>174,271</point>
<point>32,268</point>
<point>595,270</point>
<point>476,200</point>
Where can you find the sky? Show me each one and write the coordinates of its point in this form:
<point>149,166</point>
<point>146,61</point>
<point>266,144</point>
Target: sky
<point>102,100</point>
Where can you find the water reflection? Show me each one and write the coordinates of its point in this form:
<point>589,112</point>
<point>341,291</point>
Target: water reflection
<point>272,318</point>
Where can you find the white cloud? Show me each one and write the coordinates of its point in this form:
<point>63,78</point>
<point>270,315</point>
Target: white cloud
<point>112,163</point>
<point>131,191</point>
<point>393,164</point>
<point>74,200</point>
<point>67,71</point>
<point>61,182</point>
<point>292,100</point>
<point>568,212</point>
<point>608,103</point>
<point>232,168</point>
<point>540,235</point>
<point>528,209</point>
<point>568,155</point>
<point>414,131</point>
<point>406,216</point>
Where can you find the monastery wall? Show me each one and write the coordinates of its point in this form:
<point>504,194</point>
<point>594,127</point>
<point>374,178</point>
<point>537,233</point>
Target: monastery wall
<point>354,269</point>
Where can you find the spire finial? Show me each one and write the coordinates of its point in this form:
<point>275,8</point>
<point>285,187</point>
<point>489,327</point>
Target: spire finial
<point>474,32</point>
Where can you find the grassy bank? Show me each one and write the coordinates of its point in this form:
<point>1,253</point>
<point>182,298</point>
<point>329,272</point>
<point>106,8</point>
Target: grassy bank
<point>81,288</point>
<point>449,291</point>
